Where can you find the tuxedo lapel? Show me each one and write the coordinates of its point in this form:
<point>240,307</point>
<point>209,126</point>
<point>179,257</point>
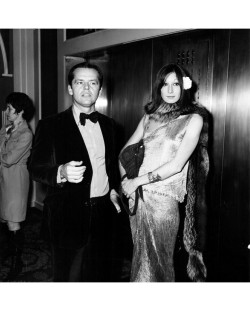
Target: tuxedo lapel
<point>71,141</point>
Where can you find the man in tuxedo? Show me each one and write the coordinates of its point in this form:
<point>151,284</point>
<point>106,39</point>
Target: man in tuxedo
<point>74,154</point>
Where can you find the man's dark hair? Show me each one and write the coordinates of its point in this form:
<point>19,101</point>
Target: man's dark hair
<point>85,65</point>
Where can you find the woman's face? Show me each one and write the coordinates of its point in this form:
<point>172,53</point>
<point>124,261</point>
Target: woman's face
<point>171,90</point>
<point>11,113</point>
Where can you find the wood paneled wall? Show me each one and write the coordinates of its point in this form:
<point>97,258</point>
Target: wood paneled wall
<point>234,225</point>
<point>130,84</point>
<point>220,53</point>
<point>219,62</point>
<point>49,71</point>
<point>6,81</point>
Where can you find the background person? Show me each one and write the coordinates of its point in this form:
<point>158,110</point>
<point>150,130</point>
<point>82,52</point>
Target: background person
<point>15,145</point>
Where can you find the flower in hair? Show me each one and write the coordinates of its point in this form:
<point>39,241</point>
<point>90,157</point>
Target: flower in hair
<point>187,83</point>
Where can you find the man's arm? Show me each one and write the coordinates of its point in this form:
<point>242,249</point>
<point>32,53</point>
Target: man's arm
<point>115,171</point>
<point>42,165</point>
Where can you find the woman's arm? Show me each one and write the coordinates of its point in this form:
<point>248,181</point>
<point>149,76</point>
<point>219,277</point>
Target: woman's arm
<point>137,136</point>
<point>176,165</point>
<point>20,149</point>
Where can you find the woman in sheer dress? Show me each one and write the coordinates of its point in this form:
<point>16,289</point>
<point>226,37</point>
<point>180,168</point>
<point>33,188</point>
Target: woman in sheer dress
<point>171,131</point>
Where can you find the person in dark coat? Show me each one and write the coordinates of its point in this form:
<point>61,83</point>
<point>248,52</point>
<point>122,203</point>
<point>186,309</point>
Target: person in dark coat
<point>74,154</point>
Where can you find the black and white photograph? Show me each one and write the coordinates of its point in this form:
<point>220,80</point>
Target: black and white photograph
<point>125,157</point>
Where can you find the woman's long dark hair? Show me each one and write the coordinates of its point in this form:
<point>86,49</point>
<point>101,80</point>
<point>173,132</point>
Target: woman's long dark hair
<point>185,97</point>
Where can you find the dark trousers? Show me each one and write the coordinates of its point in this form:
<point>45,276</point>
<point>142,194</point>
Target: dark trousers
<point>96,260</point>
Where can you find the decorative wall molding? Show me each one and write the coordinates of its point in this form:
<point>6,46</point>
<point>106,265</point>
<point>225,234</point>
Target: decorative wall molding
<point>5,61</point>
<point>27,79</point>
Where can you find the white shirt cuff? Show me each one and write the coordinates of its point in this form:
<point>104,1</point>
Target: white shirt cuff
<point>58,178</point>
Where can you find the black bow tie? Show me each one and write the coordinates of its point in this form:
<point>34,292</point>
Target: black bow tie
<point>93,117</point>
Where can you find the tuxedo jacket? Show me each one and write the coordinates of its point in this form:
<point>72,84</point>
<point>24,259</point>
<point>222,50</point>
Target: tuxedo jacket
<point>58,141</point>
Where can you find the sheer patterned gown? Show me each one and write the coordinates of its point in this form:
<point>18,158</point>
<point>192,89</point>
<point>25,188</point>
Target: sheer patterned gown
<point>155,225</point>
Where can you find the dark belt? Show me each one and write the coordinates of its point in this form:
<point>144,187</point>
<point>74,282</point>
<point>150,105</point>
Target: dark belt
<point>97,200</point>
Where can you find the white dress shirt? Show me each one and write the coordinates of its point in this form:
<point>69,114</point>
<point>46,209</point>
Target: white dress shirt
<point>93,139</point>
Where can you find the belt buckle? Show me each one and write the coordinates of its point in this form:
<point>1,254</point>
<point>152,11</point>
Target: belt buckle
<point>92,202</point>
<point>87,203</point>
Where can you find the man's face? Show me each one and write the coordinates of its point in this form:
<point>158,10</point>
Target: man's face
<point>85,87</point>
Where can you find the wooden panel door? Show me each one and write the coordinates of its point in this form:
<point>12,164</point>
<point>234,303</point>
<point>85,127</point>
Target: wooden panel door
<point>219,64</point>
<point>130,85</point>
<point>195,52</point>
<point>235,213</point>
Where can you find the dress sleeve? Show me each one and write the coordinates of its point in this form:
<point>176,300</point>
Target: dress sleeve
<point>13,156</point>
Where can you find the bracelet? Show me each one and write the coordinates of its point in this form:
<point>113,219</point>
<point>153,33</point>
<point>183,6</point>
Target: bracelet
<point>150,177</point>
<point>123,177</point>
<point>153,178</point>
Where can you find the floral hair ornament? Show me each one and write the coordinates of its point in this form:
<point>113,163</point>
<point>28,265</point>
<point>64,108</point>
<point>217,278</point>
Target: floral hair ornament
<point>187,83</point>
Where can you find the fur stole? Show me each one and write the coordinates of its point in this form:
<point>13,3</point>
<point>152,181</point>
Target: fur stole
<point>195,206</point>
<point>196,202</point>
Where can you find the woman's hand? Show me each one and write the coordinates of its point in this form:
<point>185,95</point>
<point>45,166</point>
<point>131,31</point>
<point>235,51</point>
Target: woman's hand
<point>129,186</point>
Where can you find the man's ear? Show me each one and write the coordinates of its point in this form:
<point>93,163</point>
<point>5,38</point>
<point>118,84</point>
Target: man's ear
<point>100,92</point>
<point>70,90</point>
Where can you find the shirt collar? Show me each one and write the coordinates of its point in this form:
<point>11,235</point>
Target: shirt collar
<point>21,126</point>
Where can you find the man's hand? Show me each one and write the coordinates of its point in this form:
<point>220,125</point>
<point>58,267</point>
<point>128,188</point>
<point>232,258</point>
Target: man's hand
<point>114,199</point>
<point>73,171</point>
